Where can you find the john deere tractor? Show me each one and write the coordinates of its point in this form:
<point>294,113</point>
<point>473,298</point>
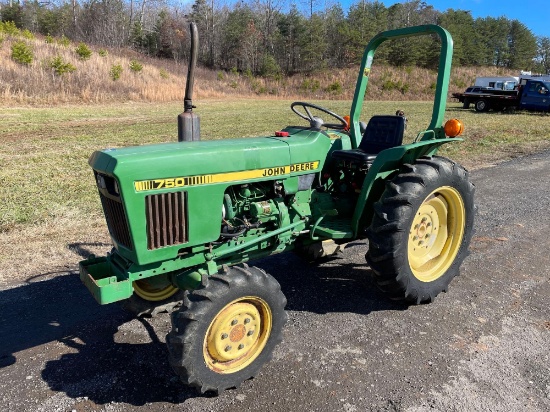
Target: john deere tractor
<point>186,217</point>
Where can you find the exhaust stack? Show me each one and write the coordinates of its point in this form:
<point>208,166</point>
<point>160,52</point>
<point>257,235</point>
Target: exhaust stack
<point>188,122</point>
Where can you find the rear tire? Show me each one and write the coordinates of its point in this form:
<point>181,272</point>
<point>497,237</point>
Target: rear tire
<point>482,105</point>
<point>226,330</point>
<point>421,229</point>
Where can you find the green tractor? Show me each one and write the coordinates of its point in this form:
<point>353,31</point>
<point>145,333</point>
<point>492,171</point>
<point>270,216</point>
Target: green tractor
<point>186,217</point>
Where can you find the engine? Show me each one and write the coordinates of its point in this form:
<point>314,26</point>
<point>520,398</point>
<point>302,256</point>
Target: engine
<point>249,206</point>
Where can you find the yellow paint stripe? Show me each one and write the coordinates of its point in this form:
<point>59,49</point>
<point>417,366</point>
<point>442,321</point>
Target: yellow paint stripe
<point>169,183</point>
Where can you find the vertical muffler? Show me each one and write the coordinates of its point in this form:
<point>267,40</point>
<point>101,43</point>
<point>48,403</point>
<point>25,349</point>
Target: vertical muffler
<point>188,122</point>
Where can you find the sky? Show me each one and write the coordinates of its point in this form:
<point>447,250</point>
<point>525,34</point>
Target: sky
<point>535,14</point>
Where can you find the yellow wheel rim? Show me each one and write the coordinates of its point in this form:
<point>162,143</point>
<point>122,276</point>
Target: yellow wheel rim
<point>154,290</point>
<point>237,335</point>
<point>436,234</point>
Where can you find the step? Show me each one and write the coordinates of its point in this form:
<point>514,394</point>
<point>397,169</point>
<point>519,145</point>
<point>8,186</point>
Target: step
<point>334,227</point>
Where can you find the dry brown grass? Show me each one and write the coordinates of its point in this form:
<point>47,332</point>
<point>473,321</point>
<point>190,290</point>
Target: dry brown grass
<point>37,84</point>
<point>90,83</point>
<point>52,247</point>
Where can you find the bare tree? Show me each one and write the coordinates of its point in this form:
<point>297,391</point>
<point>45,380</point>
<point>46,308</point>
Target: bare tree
<point>267,11</point>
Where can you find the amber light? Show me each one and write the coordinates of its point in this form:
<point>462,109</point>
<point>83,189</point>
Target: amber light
<point>453,128</point>
<point>347,119</point>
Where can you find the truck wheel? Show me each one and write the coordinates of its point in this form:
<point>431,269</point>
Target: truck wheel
<point>153,296</point>
<point>482,105</point>
<point>421,229</point>
<point>227,329</point>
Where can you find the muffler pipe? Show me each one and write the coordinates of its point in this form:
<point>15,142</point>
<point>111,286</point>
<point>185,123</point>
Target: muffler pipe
<point>188,122</point>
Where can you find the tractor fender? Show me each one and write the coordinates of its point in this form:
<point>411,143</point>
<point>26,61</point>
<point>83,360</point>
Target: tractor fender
<point>388,162</point>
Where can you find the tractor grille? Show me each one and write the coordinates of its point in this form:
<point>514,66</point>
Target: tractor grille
<point>166,219</point>
<point>116,220</point>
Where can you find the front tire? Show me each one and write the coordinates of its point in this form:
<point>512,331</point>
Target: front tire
<point>421,229</point>
<point>153,296</point>
<point>226,330</point>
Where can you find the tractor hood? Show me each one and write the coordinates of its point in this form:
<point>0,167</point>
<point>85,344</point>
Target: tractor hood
<point>170,160</point>
<point>190,158</point>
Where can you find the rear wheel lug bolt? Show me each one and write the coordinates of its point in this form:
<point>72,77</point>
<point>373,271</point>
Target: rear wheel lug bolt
<point>224,335</point>
<point>234,322</point>
<point>227,348</point>
<point>250,333</point>
<point>241,346</point>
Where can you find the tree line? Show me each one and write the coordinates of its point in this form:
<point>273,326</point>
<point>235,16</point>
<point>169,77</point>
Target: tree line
<point>264,37</point>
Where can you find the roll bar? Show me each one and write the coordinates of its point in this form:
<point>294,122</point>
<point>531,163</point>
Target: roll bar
<point>442,86</point>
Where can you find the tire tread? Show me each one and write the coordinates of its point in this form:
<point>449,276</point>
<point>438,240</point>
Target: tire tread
<point>387,255</point>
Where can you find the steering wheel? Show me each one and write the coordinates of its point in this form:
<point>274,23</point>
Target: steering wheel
<point>316,121</point>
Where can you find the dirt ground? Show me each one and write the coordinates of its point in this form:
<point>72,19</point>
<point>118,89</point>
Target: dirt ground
<point>483,346</point>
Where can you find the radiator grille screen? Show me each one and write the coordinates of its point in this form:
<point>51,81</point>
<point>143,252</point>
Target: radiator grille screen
<point>166,219</point>
<point>116,221</point>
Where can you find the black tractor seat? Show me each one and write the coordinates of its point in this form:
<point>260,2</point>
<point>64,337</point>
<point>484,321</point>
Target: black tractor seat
<point>382,132</point>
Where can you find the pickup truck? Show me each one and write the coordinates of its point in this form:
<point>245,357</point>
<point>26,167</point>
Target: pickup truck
<point>531,95</point>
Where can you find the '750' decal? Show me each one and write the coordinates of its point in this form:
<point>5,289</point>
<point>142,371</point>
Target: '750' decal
<point>154,184</point>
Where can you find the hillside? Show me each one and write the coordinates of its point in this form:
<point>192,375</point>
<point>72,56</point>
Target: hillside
<point>56,71</point>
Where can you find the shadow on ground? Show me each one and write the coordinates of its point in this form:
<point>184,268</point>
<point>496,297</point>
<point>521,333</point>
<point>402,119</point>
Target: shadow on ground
<point>96,365</point>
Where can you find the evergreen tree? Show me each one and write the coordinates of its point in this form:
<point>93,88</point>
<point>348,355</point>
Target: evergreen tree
<point>336,28</point>
<point>522,46</point>
<point>313,45</point>
<point>460,24</point>
<point>235,31</point>
<point>493,40</point>
<point>54,20</point>
<point>291,31</point>
<point>407,51</point>
<point>365,19</point>
<point>543,54</point>
<point>13,12</point>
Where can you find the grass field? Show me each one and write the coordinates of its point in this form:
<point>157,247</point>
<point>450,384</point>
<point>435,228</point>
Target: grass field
<point>50,211</point>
